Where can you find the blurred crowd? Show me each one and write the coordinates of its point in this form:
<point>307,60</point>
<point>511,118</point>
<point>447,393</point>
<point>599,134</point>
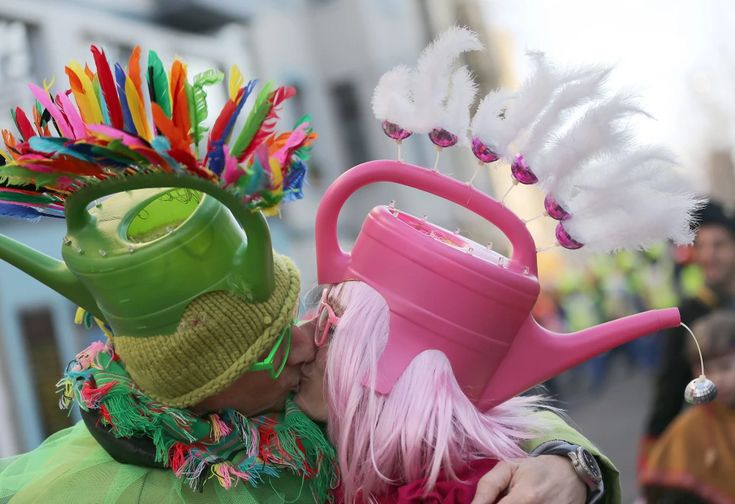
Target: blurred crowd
<point>609,287</point>
<point>687,454</point>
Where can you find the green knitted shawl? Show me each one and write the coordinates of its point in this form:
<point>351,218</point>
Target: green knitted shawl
<point>227,445</point>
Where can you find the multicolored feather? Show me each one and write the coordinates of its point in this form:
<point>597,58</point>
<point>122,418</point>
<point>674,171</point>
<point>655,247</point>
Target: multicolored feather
<point>120,79</point>
<point>72,115</point>
<point>136,99</point>
<point>198,101</point>
<point>23,124</point>
<point>180,102</point>
<point>158,83</point>
<point>224,124</point>
<point>137,109</point>
<point>109,90</point>
<point>100,99</point>
<point>84,94</point>
<point>58,116</point>
<point>262,119</point>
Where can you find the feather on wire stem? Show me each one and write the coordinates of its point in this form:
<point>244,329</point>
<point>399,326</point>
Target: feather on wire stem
<point>562,129</point>
<point>432,98</point>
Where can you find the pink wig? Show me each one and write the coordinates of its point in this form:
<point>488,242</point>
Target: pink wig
<point>426,425</point>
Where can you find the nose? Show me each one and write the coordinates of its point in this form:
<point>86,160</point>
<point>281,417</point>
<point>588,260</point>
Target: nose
<point>303,349</point>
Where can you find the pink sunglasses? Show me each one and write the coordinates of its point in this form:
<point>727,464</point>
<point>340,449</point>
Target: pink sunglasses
<point>326,322</point>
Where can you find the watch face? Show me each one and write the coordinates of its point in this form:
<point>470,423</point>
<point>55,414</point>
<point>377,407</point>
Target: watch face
<point>590,464</point>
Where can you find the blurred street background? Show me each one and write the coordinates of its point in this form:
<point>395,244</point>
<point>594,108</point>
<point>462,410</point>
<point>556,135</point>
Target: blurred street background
<point>677,56</point>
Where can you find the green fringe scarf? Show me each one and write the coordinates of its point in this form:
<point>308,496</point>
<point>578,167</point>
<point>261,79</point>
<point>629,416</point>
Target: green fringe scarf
<point>227,445</point>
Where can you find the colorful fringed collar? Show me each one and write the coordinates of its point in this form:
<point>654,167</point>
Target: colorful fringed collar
<point>227,445</point>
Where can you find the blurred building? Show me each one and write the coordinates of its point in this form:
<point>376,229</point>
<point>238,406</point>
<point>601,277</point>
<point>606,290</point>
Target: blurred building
<point>332,51</point>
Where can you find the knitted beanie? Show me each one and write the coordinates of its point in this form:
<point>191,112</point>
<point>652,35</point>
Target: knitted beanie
<point>219,337</point>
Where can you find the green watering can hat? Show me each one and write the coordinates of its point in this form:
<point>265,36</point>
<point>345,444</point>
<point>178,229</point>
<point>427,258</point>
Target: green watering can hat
<point>166,245</point>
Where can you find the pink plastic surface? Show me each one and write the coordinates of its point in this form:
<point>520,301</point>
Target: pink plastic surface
<point>448,293</point>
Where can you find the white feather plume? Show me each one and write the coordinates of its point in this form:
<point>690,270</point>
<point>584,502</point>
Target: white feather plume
<point>430,83</point>
<point>392,97</point>
<point>456,112</point>
<point>641,165</point>
<point>490,116</point>
<point>596,133</point>
<point>632,219</point>
<point>619,196</point>
<point>636,200</point>
<point>532,98</point>
<point>570,97</point>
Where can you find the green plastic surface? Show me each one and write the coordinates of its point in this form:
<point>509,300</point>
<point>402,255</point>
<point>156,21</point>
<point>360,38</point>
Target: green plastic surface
<point>137,258</point>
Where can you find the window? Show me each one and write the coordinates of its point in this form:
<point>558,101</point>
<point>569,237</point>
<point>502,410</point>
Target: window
<point>37,326</point>
<point>18,66</point>
<point>349,119</point>
<point>15,52</point>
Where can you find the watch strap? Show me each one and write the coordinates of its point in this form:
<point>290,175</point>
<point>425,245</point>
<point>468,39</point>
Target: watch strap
<point>564,449</point>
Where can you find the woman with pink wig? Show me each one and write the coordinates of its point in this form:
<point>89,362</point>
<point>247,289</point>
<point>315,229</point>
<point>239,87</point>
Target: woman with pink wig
<point>423,442</point>
<point>431,335</point>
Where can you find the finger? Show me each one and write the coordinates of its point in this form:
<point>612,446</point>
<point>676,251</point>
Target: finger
<point>522,497</point>
<point>494,482</point>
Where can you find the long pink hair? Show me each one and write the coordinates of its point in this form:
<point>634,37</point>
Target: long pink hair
<point>426,425</point>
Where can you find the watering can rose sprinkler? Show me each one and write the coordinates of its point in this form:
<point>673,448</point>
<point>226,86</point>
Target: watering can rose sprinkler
<point>448,293</point>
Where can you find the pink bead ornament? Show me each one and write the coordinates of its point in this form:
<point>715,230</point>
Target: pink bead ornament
<point>483,152</point>
<point>521,171</point>
<point>442,138</point>
<point>554,209</point>
<point>565,240</point>
<point>395,132</point>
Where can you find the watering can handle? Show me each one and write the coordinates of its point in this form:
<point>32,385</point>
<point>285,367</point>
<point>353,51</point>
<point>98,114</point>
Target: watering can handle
<point>259,252</point>
<point>332,261</point>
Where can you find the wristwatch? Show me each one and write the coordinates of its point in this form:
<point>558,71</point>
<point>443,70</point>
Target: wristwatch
<point>583,462</point>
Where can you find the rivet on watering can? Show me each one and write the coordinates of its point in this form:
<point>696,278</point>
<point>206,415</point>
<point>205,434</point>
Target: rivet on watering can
<point>79,250</point>
<point>103,253</point>
<point>425,218</point>
<point>526,270</point>
<point>490,245</point>
<point>131,249</point>
<point>392,207</point>
<point>457,231</point>
<point>169,229</point>
<point>67,241</point>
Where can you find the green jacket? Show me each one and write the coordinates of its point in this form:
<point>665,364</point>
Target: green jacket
<point>70,466</point>
<point>559,429</point>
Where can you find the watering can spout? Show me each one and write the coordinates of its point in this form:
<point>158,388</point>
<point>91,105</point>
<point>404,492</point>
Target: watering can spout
<point>49,271</point>
<point>537,354</point>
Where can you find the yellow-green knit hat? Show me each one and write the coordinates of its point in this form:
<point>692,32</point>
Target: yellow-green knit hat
<point>219,337</point>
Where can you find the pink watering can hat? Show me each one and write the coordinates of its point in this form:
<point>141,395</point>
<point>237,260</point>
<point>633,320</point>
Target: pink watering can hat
<point>448,293</point>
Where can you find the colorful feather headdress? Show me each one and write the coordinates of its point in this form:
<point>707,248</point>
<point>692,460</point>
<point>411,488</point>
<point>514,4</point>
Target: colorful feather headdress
<point>141,121</point>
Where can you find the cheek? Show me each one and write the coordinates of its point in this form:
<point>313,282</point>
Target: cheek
<point>320,362</point>
<point>314,387</point>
